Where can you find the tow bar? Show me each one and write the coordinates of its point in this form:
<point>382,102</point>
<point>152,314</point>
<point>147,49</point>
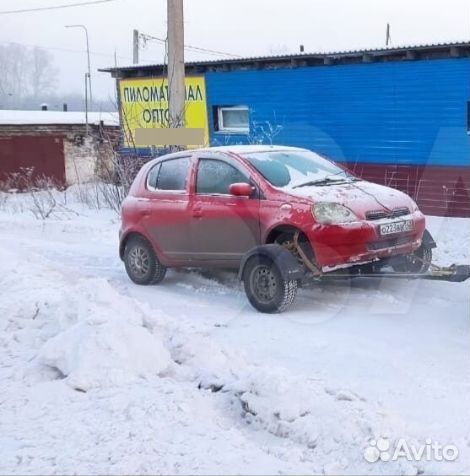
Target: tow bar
<point>454,274</point>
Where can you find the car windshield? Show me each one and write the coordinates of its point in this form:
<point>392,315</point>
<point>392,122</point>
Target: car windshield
<point>297,168</point>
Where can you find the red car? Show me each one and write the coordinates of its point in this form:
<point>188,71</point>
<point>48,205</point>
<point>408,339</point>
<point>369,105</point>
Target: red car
<point>275,213</point>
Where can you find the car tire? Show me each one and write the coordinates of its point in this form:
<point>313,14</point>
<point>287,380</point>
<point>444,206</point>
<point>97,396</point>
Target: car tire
<point>417,262</point>
<point>266,289</point>
<point>141,261</point>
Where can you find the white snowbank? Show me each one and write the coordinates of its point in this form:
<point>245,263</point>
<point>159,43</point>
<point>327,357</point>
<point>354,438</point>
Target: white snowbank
<point>94,354</point>
<point>98,339</point>
<point>94,336</point>
<point>452,236</point>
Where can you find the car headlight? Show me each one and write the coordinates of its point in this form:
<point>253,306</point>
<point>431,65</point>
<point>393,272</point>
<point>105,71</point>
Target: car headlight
<point>330,213</point>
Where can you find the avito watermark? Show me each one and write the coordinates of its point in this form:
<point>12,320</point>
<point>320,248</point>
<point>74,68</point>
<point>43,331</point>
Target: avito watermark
<point>383,449</point>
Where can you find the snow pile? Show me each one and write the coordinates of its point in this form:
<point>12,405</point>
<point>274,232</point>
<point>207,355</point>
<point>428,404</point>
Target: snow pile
<point>95,354</point>
<point>92,335</point>
<point>305,411</point>
<point>204,360</point>
<point>323,423</point>
<point>95,338</point>
<point>452,236</point>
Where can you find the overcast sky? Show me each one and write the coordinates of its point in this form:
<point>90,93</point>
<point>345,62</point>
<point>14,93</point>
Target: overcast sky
<point>244,27</point>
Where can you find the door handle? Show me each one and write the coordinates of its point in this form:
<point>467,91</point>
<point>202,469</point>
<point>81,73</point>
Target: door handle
<point>197,212</point>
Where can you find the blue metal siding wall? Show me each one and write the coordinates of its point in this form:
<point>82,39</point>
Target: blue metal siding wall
<point>396,113</point>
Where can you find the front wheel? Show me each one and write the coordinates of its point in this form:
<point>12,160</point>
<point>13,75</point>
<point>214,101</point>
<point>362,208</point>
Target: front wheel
<point>417,262</point>
<point>265,287</point>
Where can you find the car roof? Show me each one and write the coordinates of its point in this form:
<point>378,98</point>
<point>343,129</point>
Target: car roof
<point>247,149</point>
<point>241,149</point>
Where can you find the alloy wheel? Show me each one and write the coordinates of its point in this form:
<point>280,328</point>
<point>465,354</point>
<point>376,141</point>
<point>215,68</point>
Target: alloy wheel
<point>139,261</point>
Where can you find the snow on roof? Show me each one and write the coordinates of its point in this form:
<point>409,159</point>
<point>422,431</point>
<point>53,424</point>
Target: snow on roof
<point>250,148</point>
<point>10,117</point>
<point>379,51</point>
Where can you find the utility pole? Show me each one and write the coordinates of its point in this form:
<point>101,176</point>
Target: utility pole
<point>176,86</point>
<point>135,47</point>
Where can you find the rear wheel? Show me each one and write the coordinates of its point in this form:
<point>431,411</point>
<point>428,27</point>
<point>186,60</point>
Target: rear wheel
<point>417,262</point>
<point>141,262</point>
<point>265,287</point>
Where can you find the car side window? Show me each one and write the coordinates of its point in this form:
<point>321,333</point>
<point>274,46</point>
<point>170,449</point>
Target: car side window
<point>172,174</point>
<point>152,177</point>
<point>215,176</point>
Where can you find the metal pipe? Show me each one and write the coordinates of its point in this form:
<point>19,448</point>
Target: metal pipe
<point>86,106</point>
<point>88,58</point>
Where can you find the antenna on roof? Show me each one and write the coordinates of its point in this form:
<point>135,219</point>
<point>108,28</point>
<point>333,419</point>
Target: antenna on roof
<point>388,38</point>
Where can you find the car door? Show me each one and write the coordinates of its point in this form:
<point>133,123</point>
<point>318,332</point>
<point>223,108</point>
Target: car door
<point>167,207</point>
<point>223,226</point>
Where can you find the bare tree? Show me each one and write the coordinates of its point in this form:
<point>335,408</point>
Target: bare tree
<point>13,59</point>
<point>42,72</point>
<point>24,72</point>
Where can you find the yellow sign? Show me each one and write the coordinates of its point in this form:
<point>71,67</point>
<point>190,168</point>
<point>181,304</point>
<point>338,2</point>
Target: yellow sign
<point>144,104</point>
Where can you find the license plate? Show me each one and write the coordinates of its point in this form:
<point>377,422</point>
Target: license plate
<point>396,227</point>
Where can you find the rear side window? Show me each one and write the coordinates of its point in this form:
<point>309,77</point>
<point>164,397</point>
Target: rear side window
<point>215,176</point>
<point>153,176</point>
<point>170,175</point>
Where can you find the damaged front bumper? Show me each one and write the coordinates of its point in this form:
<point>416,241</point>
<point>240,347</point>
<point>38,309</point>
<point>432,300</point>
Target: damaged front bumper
<point>361,241</point>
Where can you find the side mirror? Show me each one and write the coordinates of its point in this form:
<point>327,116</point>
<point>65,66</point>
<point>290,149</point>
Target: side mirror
<point>241,189</point>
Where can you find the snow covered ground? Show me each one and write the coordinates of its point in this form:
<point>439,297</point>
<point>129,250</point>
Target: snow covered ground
<point>100,376</point>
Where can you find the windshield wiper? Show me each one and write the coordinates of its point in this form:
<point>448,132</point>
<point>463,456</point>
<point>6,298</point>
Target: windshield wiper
<point>324,181</point>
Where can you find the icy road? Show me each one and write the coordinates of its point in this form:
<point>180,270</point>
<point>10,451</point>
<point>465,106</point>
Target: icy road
<point>100,376</point>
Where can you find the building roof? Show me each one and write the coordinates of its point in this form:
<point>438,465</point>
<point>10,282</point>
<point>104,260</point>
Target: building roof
<point>392,53</point>
<point>14,117</point>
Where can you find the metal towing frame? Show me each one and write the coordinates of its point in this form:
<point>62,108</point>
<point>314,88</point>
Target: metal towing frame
<point>454,273</point>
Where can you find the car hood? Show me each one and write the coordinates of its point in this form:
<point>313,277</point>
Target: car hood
<point>360,196</point>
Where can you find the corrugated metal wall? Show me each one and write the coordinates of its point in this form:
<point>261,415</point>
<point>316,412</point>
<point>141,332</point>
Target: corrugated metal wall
<point>399,113</point>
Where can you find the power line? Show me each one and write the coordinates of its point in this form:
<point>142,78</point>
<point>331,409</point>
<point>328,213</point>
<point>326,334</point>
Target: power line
<point>146,37</point>
<point>68,50</point>
<point>55,7</point>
